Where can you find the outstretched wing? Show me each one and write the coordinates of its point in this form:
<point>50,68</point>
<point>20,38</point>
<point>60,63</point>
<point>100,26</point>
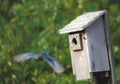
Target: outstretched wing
<point>24,56</point>
<point>55,64</point>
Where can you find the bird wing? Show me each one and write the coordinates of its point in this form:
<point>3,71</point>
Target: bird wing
<point>24,56</point>
<point>55,64</point>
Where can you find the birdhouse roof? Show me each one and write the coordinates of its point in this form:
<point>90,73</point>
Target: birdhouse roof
<point>82,22</point>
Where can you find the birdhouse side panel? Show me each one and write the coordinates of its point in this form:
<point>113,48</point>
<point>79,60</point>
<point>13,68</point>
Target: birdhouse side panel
<point>97,46</point>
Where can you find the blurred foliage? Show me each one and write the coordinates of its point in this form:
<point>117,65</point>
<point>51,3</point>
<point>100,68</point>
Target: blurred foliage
<point>28,25</point>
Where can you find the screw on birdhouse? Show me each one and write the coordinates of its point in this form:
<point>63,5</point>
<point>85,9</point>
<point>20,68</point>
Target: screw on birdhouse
<point>91,48</point>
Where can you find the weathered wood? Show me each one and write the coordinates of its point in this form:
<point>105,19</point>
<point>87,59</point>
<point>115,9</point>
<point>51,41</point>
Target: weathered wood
<point>91,53</point>
<point>98,77</point>
<point>110,49</point>
<point>82,22</point>
<point>79,58</point>
<point>97,46</point>
<point>75,41</point>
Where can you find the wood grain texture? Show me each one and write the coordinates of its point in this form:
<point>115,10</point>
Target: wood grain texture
<point>82,22</point>
<point>110,49</point>
<point>97,46</point>
<point>80,62</point>
<point>95,54</point>
<point>75,41</point>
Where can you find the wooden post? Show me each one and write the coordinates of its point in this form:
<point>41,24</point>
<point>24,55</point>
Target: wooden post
<point>100,78</point>
<point>110,49</point>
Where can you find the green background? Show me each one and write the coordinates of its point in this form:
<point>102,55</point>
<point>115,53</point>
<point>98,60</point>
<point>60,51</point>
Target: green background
<point>33,26</point>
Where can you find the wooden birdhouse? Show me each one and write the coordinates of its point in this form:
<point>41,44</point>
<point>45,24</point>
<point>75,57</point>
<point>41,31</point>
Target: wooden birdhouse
<point>89,44</point>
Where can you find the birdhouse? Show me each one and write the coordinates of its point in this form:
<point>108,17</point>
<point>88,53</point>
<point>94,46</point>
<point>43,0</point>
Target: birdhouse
<point>89,43</point>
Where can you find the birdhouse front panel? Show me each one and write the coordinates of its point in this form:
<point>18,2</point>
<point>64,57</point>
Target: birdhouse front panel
<point>76,41</point>
<point>97,46</point>
<point>79,57</point>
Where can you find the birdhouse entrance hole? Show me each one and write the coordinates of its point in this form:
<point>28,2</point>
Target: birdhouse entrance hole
<point>74,41</point>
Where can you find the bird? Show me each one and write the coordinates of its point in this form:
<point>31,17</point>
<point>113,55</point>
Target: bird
<point>53,62</point>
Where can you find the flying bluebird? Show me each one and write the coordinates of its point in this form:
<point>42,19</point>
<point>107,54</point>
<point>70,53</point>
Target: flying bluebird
<point>54,63</point>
